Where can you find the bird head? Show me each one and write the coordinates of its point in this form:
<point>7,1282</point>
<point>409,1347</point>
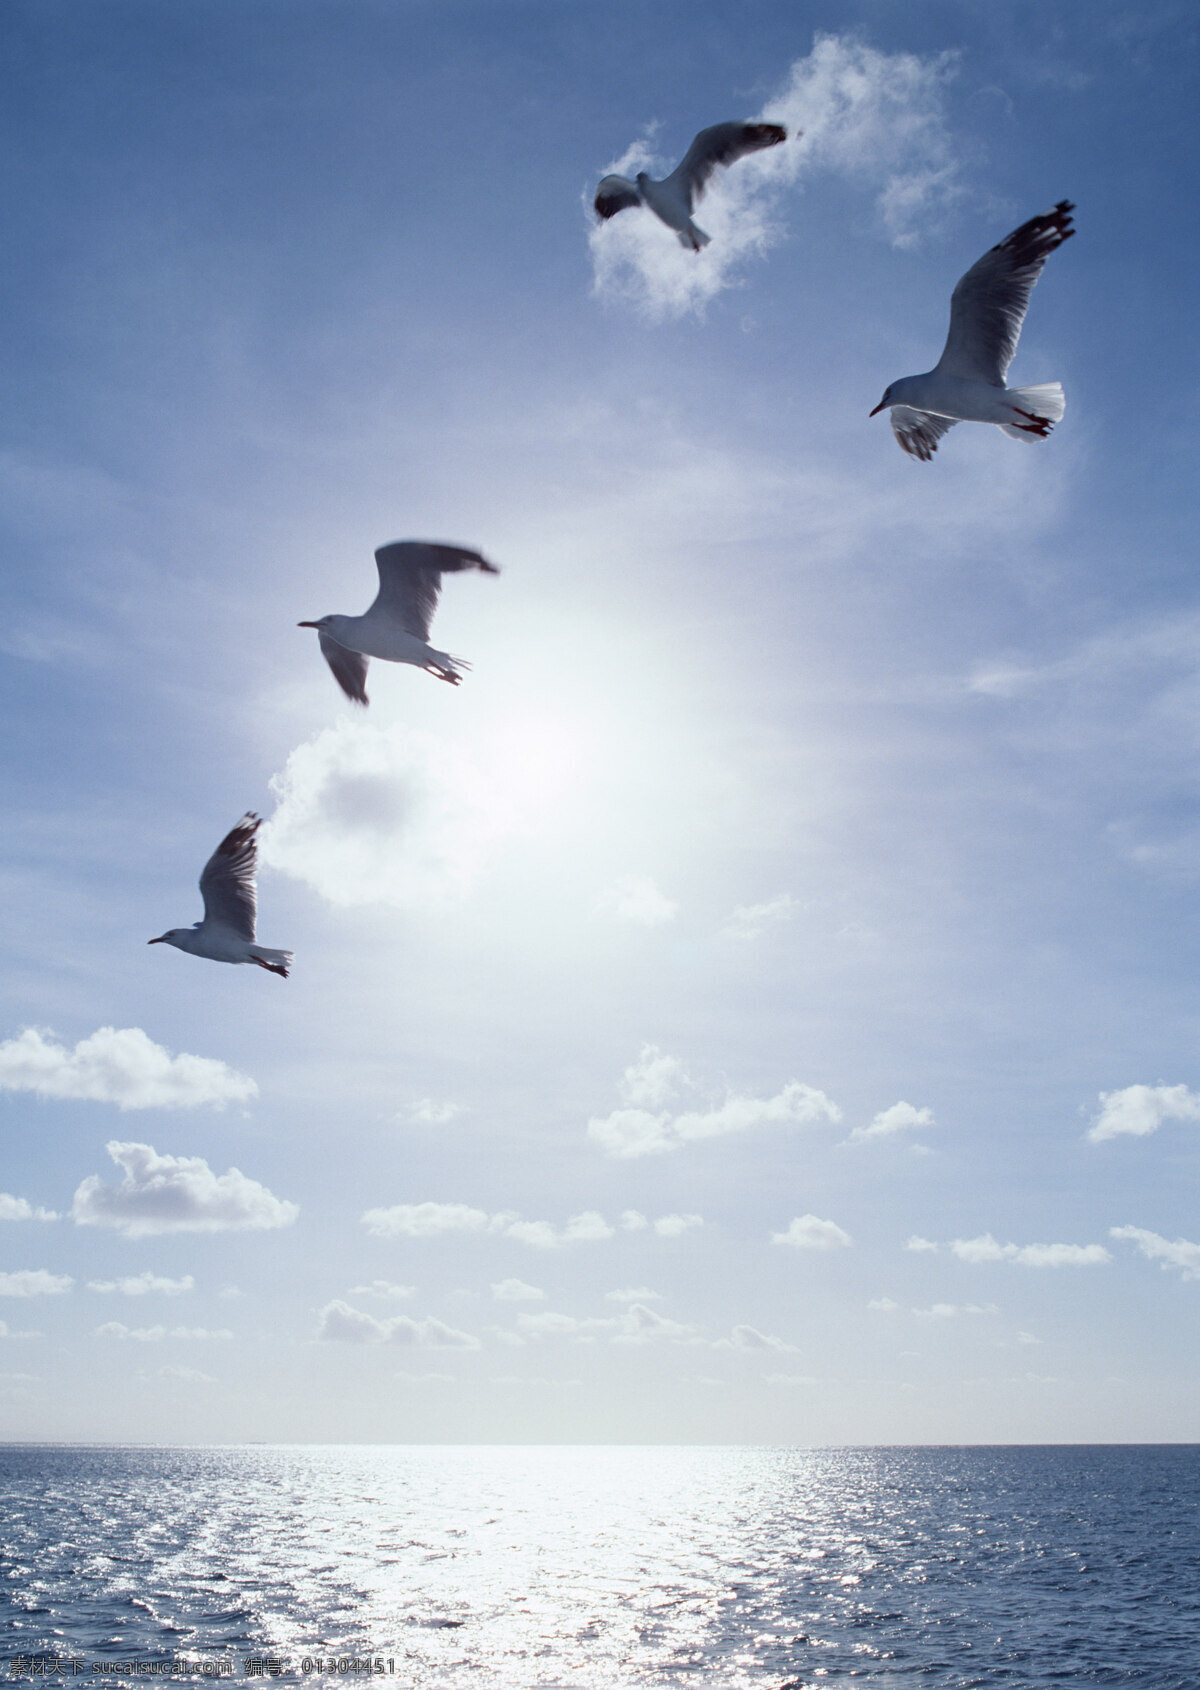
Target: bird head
<point>171,938</point>
<point>884,402</point>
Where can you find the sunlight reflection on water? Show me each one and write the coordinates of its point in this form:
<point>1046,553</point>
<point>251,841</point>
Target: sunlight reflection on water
<point>604,1567</point>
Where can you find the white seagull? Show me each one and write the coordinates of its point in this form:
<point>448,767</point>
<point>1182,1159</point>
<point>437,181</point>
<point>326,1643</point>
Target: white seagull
<point>396,627</point>
<point>987,309</point>
<point>674,198</point>
<point>227,886</point>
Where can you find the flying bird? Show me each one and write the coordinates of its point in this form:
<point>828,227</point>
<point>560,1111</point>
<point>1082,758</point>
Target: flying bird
<point>396,627</point>
<point>987,309</point>
<point>674,198</point>
<point>227,886</point>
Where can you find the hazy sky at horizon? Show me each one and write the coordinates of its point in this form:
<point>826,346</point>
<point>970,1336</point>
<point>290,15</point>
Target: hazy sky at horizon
<point>701,1017</point>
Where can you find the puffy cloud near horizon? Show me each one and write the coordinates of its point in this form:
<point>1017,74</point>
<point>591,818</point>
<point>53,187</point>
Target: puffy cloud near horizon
<point>876,119</point>
<point>384,1289</point>
<point>339,1323</point>
<point>654,1079</point>
<point>749,921</point>
<point>120,1065</point>
<point>1178,1253</point>
<point>34,1282</point>
<point>176,1194</point>
<point>637,1324</point>
<point>635,898</point>
<point>808,1232</point>
<point>1139,1110</point>
<point>750,1338</point>
<point>900,1117</point>
<point>374,815</point>
<point>20,1209</point>
<point>950,1311</point>
<point>918,1244</point>
<point>142,1284</point>
<point>985,1248</point>
<point>516,1291</point>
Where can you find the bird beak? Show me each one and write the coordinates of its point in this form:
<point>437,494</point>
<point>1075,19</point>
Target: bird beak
<point>156,941</point>
<point>877,409</point>
<point>308,624</point>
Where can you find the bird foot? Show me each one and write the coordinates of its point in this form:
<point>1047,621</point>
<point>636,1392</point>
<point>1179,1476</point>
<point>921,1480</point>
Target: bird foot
<point>1035,425</point>
<point>271,967</point>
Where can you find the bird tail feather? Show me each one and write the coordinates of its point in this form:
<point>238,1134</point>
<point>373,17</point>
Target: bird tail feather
<point>693,237</point>
<point>1046,402</point>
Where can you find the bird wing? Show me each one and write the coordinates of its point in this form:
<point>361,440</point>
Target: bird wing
<point>989,304</point>
<point>227,884</point>
<point>349,667</point>
<point>616,193</point>
<point>724,143</point>
<point>410,580</point>
<point>918,432</point>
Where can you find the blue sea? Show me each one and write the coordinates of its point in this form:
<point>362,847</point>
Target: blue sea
<point>604,1567</point>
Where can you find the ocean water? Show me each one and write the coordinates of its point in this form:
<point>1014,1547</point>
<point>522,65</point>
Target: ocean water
<point>604,1567</point>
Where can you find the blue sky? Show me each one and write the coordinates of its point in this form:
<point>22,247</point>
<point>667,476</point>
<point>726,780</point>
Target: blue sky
<point>814,840</point>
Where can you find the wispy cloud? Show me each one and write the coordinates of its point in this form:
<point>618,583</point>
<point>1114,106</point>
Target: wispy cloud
<point>176,1194</point>
<point>809,1232</point>
<point>636,899</point>
<point>985,1248</point>
<point>1139,1110</point>
<point>877,120</point>
<point>748,921</point>
<point>750,1338</point>
<point>427,1111</point>
<point>383,1289</point>
<point>636,1325</point>
<point>120,1065</point>
<point>900,1117</point>
<point>950,1311</point>
<point>144,1284</point>
<point>919,1244</point>
<point>656,1079</point>
<point>339,1323</point>
<point>429,1220</point>
<point>34,1282</point>
<point>1171,1253</point>
<point>516,1291</point>
<point>158,1334</point>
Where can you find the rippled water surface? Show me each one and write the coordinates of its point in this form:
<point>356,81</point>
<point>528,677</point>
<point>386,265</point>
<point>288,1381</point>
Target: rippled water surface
<point>608,1567</point>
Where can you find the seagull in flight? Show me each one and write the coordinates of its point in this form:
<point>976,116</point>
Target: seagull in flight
<point>987,309</point>
<point>227,886</point>
<point>396,627</point>
<point>674,198</point>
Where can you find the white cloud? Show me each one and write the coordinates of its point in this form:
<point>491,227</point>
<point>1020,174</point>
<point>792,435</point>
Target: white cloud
<point>636,899</point>
<point>428,1112</point>
<point>884,1304</point>
<point>34,1282</point>
<point>790,1379</point>
<point>176,1194</point>
<point>655,1078</point>
<point>899,1118</point>
<point>674,1226</point>
<point>949,1311</point>
<point>748,921</point>
<point>1027,1338</point>
<point>20,1209</point>
<point>338,1323</point>
<point>1142,1109</point>
<point>423,1220</point>
<point>637,1325</point>
<point>1177,1254</point>
<point>585,1228</point>
<point>640,1325</point>
<point>371,815</point>
<point>750,1338</point>
<point>516,1291</point>
<point>141,1284</point>
<point>635,1294</point>
<point>186,1375</point>
<point>383,1288</point>
<point>428,1220</point>
<point>156,1334</point>
<point>6,1331</point>
<point>985,1248</point>
<point>916,1242</point>
<point>122,1066</point>
<point>807,1232</point>
<point>874,118</point>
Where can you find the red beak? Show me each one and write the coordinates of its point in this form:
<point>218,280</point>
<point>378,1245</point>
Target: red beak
<point>877,409</point>
<point>156,941</point>
<point>308,624</point>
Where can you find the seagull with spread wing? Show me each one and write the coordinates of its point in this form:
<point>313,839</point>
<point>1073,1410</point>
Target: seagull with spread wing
<point>396,627</point>
<point>987,309</point>
<point>227,886</point>
<point>674,198</point>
